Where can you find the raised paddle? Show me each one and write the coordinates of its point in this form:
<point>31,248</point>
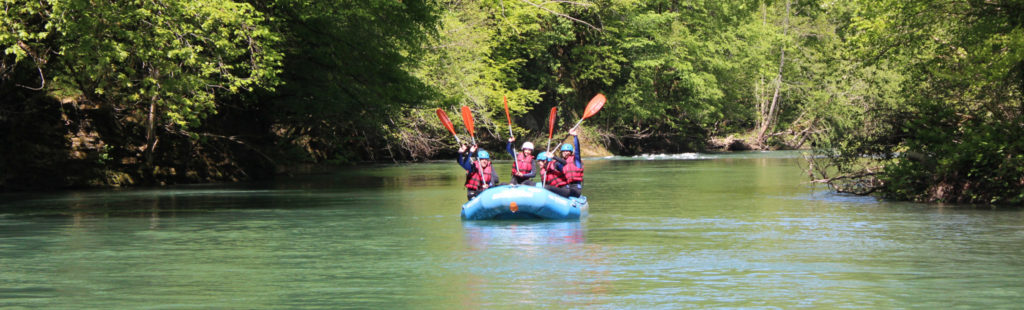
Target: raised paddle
<point>551,126</point>
<point>509,117</point>
<point>467,118</point>
<point>593,106</point>
<point>447,124</point>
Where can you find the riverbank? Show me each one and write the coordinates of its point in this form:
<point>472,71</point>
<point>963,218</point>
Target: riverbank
<point>748,142</point>
<point>71,143</point>
<point>86,159</point>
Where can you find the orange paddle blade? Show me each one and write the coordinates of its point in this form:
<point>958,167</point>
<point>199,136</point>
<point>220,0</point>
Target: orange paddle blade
<point>467,117</point>
<point>514,207</point>
<point>509,117</point>
<point>445,121</point>
<point>595,105</point>
<point>551,122</point>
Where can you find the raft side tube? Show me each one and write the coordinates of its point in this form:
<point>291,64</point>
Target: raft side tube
<point>531,202</point>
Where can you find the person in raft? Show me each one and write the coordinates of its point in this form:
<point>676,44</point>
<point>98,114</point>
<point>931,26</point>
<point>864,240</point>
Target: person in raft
<point>522,170</point>
<point>551,171</point>
<point>477,182</point>
<point>572,171</point>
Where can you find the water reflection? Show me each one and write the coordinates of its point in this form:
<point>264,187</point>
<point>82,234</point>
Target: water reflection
<point>544,264</point>
<point>483,234</point>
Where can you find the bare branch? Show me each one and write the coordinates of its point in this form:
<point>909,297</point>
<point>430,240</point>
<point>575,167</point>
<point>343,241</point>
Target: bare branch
<point>42,80</point>
<point>234,139</point>
<point>564,15</point>
<point>38,61</point>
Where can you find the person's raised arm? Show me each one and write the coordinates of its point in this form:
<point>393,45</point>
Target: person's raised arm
<point>559,162</point>
<point>463,159</point>
<point>579,152</point>
<point>510,149</point>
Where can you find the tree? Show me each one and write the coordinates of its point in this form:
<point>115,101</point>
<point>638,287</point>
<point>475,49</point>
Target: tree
<point>346,76</point>
<point>157,63</point>
<point>948,134</point>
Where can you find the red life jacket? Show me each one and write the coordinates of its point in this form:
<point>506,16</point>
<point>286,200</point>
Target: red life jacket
<point>473,179</point>
<point>524,163</point>
<point>572,173</point>
<point>552,176</point>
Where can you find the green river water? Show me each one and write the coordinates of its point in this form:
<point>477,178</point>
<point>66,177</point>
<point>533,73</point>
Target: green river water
<point>741,230</point>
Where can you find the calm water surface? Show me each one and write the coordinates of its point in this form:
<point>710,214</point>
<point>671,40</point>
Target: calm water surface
<point>678,231</point>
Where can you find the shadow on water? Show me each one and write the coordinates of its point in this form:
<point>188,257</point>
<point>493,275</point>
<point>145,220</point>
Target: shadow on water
<point>350,187</point>
<point>135,203</point>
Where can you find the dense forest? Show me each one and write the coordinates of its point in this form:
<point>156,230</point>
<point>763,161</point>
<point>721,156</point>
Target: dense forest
<point>911,100</point>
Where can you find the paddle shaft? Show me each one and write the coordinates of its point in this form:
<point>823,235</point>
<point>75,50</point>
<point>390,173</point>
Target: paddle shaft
<point>509,118</point>
<point>551,132</point>
<point>544,173</point>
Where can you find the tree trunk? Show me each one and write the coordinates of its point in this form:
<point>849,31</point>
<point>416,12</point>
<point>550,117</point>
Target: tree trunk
<point>151,139</point>
<point>768,117</point>
<point>759,93</point>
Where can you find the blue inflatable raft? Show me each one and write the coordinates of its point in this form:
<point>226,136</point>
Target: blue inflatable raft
<point>510,202</point>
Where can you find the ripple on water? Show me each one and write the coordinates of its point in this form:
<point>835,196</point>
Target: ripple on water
<point>738,230</point>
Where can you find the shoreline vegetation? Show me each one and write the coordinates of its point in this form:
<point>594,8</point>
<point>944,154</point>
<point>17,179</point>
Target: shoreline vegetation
<point>915,101</point>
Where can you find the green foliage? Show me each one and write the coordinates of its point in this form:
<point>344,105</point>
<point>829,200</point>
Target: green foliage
<point>654,59</point>
<point>20,27</point>
<point>177,54</point>
<point>131,72</point>
<point>346,83</point>
<point>948,132</point>
<point>457,65</point>
<point>919,100</point>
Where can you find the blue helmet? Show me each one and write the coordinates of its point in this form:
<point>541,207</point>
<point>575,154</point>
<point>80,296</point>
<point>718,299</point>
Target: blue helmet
<point>567,147</point>
<point>542,156</point>
<point>481,154</point>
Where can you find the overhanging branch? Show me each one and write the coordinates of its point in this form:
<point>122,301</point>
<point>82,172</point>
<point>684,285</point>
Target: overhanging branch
<point>564,15</point>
